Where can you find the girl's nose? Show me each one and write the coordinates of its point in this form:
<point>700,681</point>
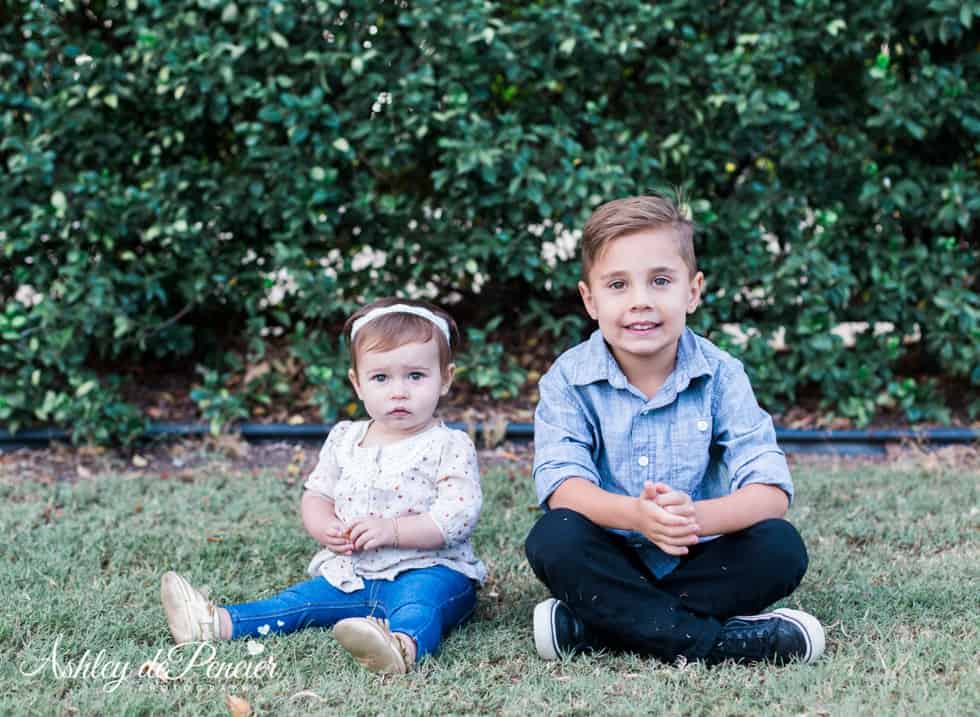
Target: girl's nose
<point>399,389</point>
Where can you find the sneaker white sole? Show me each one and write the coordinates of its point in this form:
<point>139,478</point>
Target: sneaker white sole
<point>544,629</point>
<point>811,628</point>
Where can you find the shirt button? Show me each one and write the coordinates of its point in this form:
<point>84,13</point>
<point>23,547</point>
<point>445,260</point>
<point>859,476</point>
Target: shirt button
<point>643,460</point>
<point>702,425</point>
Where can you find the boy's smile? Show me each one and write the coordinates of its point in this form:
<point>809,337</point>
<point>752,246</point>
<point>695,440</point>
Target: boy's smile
<point>640,291</point>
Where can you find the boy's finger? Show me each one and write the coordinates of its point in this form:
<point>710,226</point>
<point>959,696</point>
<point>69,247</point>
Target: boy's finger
<point>681,532</point>
<point>672,549</point>
<point>666,518</point>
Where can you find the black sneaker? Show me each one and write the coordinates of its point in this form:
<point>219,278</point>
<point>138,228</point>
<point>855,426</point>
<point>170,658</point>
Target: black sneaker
<point>778,636</point>
<point>557,631</point>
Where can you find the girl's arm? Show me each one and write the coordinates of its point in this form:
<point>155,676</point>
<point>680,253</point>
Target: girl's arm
<point>323,525</point>
<point>450,518</point>
<point>407,531</point>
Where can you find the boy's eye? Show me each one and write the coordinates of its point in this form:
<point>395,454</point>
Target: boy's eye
<point>416,375</point>
<point>662,281</point>
<point>617,285</point>
<point>379,378</point>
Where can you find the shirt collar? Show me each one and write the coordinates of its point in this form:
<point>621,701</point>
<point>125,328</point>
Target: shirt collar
<point>599,364</point>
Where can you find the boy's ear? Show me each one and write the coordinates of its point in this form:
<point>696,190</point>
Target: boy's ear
<point>447,379</point>
<point>352,377</point>
<point>697,286</point>
<point>586,293</point>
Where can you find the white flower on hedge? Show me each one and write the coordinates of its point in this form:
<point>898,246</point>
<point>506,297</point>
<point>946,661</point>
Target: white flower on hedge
<point>384,98</point>
<point>283,285</point>
<point>368,258</point>
<point>478,281</point>
<point>413,291</point>
<point>772,243</point>
<point>563,248</point>
<point>28,295</point>
<point>330,262</point>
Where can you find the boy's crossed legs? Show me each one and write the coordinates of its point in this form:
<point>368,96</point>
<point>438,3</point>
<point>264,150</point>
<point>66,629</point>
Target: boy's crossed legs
<point>614,601</point>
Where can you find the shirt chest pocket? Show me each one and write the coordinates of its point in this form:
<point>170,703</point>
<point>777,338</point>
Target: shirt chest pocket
<point>690,441</point>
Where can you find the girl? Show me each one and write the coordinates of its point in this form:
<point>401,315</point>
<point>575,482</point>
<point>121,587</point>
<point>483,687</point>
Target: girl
<point>392,500</point>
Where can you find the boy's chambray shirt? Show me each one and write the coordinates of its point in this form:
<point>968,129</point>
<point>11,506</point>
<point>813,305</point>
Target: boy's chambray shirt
<point>702,433</point>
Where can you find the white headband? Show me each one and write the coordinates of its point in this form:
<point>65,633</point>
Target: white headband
<point>440,322</point>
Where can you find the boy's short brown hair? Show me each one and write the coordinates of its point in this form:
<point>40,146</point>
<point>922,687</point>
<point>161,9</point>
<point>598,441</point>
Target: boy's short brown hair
<point>631,215</point>
<point>390,331</point>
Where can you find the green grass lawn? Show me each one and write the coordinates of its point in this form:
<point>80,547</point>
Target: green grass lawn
<point>893,575</point>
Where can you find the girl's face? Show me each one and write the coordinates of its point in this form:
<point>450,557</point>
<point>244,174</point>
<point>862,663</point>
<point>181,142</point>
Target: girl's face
<point>401,388</point>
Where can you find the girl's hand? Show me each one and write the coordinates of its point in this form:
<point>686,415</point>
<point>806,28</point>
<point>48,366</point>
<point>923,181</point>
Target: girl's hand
<point>373,533</point>
<point>336,537</point>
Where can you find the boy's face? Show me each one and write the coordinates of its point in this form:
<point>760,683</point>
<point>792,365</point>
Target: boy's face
<point>640,291</point>
<point>401,388</point>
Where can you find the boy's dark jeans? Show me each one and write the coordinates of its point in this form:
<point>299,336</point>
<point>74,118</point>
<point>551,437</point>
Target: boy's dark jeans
<point>624,607</point>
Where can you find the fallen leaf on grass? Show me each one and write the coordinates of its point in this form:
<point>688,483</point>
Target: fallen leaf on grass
<point>151,668</point>
<point>238,706</point>
<point>302,694</point>
<point>52,512</point>
<point>139,461</point>
<point>83,472</point>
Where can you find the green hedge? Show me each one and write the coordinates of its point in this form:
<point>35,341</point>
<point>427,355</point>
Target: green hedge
<point>194,182</point>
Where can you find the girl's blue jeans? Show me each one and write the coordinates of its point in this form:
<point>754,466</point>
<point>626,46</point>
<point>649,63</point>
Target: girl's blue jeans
<point>425,604</point>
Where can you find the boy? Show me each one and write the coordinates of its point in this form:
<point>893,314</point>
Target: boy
<point>663,485</point>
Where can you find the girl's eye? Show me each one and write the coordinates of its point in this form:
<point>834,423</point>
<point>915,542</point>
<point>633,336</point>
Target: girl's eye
<point>416,375</point>
<point>379,378</point>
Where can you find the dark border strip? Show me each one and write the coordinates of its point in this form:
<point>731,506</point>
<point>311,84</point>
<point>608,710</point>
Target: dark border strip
<point>865,443</point>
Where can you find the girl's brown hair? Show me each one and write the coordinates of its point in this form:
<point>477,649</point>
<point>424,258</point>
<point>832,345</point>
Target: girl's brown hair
<point>390,331</point>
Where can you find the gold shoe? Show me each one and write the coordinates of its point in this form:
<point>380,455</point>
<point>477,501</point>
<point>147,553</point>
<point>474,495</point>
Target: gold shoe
<point>190,616</point>
<point>371,643</point>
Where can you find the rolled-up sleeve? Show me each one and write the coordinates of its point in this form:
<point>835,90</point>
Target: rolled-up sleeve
<point>459,498</point>
<point>563,438</point>
<point>746,435</point>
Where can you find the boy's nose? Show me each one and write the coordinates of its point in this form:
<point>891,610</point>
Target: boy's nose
<point>640,298</point>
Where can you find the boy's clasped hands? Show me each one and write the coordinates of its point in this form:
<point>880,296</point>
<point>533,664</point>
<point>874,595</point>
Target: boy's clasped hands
<point>667,518</point>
